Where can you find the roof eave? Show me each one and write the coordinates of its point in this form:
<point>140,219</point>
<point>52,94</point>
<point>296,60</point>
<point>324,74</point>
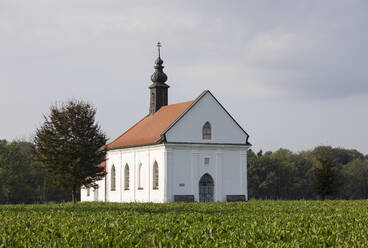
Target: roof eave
<point>132,146</point>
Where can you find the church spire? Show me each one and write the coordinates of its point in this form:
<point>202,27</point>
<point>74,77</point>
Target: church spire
<point>159,77</point>
<point>158,88</point>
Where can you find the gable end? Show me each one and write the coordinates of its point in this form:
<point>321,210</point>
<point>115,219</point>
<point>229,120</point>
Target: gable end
<point>193,104</point>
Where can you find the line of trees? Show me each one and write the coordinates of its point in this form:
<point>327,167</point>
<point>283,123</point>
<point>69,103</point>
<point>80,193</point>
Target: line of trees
<point>324,172</point>
<point>20,179</point>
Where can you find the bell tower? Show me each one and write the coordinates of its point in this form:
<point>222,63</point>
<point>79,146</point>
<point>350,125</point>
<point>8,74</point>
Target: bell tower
<point>158,88</point>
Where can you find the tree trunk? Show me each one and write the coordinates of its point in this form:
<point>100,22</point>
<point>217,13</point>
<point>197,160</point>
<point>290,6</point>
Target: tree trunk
<point>44,191</point>
<point>74,195</point>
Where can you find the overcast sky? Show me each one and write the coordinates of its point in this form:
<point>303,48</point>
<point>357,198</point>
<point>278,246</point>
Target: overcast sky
<point>294,74</point>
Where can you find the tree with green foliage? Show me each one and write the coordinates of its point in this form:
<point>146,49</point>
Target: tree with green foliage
<point>17,177</point>
<point>70,146</point>
<point>20,181</point>
<point>301,186</point>
<point>355,174</point>
<point>268,175</point>
<point>324,176</point>
<point>286,175</point>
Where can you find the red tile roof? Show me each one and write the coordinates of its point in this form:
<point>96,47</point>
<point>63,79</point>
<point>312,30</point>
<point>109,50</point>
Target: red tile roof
<point>102,165</point>
<point>149,130</point>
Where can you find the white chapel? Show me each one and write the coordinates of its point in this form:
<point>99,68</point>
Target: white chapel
<point>189,151</point>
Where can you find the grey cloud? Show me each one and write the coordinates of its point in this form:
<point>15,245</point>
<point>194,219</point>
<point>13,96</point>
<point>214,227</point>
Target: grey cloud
<point>265,52</point>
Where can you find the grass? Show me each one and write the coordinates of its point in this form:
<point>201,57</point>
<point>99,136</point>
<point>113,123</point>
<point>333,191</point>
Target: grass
<point>246,224</point>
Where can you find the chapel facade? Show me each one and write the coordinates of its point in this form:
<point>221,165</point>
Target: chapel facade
<point>189,151</point>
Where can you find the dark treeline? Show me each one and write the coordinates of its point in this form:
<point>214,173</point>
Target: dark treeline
<point>20,179</point>
<point>287,175</point>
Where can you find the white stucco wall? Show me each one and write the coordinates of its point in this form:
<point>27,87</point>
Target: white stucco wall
<point>84,195</point>
<point>146,156</point>
<point>94,196</point>
<point>227,166</point>
<point>189,127</point>
<point>180,168</point>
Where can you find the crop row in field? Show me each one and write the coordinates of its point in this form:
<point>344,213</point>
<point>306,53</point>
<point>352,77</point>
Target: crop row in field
<point>247,224</point>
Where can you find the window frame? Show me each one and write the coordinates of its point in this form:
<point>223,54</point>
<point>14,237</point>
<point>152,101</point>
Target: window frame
<point>126,177</point>
<point>207,131</point>
<point>113,178</point>
<point>140,176</point>
<point>155,176</point>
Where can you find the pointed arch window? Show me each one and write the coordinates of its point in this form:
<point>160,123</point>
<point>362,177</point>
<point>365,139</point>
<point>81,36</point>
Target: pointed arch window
<point>113,178</point>
<point>140,176</point>
<point>155,176</point>
<point>126,177</point>
<point>88,192</point>
<point>206,131</point>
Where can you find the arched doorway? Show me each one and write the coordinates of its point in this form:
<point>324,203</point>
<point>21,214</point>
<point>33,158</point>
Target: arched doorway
<point>206,188</point>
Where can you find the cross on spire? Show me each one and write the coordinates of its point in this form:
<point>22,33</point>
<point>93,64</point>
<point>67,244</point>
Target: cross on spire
<point>159,46</point>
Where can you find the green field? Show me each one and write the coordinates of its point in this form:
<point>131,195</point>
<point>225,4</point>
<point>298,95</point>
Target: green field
<point>248,224</point>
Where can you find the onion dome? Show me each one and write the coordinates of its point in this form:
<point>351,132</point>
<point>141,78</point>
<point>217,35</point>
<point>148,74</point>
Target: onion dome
<point>159,77</point>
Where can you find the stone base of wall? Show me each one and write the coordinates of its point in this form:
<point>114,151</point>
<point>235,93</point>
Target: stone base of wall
<point>183,198</point>
<point>235,198</point>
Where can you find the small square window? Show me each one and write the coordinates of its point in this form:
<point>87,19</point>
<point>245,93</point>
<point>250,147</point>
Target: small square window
<point>206,161</point>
